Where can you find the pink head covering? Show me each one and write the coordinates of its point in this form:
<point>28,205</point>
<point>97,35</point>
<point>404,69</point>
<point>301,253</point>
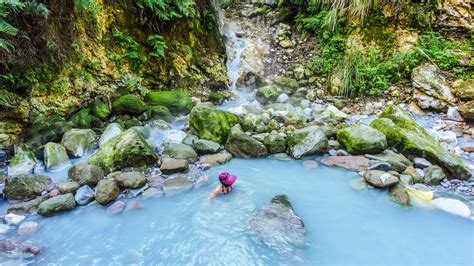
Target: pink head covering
<point>227,179</point>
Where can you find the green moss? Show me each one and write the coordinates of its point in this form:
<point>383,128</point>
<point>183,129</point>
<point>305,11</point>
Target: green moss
<point>161,112</point>
<point>216,98</point>
<point>361,139</point>
<point>129,104</point>
<point>178,102</point>
<point>83,119</point>
<point>100,109</point>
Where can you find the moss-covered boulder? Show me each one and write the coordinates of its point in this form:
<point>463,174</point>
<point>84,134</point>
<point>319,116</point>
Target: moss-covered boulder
<point>111,131</point>
<point>106,191</point>
<point>129,149</point>
<point>275,142</point>
<point>57,205</point>
<point>465,90</point>
<point>178,102</point>
<point>212,124</point>
<point>362,139</point>
<point>203,146</point>
<point>161,112</point>
<point>413,141</point>
<point>84,119</point>
<point>241,145</point>
<point>288,85</point>
<point>47,130</point>
<point>55,156</point>
<point>268,94</point>
<point>307,141</point>
<point>129,104</point>
<point>79,141</point>
<point>100,109</point>
<point>85,174</point>
<point>467,110</point>
<point>22,187</point>
<point>23,162</point>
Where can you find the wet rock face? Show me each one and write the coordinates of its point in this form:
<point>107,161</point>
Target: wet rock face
<point>362,139</point>
<point>212,124</point>
<point>17,249</point>
<point>278,225</point>
<point>180,151</point>
<point>307,141</point>
<point>106,191</point>
<point>203,146</point>
<point>112,130</point>
<point>433,175</point>
<point>171,166</point>
<point>22,187</point>
<point>57,205</point>
<point>241,145</point>
<point>78,141</point>
<point>413,141</point>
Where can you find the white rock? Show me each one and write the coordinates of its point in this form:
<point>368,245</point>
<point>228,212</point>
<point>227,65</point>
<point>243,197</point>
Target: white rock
<point>453,206</point>
<point>13,219</point>
<point>453,114</point>
<point>308,111</point>
<point>27,228</point>
<point>283,98</point>
<point>176,136</point>
<point>447,136</point>
<point>339,114</point>
<point>305,103</point>
<point>112,130</point>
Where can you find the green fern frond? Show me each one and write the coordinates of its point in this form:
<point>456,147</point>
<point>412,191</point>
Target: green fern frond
<point>7,28</point>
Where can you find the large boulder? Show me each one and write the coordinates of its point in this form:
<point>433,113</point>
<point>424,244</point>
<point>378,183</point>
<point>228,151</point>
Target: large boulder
<point>465,90</point>
<point>100,109</point>
<point>130,179</point>
<point>275,142</point>
<point>413,141</point>
<point>78,141</point>
<point>106,191</point>
<point>55,156</point>
<point>26,186</point>
<point>467,110</point>
<point>397,161</point>
<point>216,159</point>
<point>170,166</point>
<point>242,145</point>
<point>128,149</point>
<point>361,139</point>
<point>129,104</point>
<point>85,174</point>
<point>67,187</point>
<point>277,225</point>
<point>180,151</point>
<point>209,123</point>
<point>434,175</point>
<point>203,146</point>
<point>178,102</point>
<point>177,184</point>
<point>352,163</point>
<point>23,162</point>
<point>428,79</point>
<point>111,131</point>
<point>307,141</point>
<point>57,205</point>
<point>268,94</point>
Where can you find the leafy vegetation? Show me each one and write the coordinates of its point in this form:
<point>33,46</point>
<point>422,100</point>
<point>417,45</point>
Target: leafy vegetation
<point>168,9</point>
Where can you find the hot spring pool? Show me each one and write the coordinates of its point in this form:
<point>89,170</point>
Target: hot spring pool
<point>344,226</point>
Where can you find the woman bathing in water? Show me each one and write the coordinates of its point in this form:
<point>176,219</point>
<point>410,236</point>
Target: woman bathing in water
<point>226,185</point>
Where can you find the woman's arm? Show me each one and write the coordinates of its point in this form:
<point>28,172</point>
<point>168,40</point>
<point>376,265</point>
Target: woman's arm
<point>216,192</point>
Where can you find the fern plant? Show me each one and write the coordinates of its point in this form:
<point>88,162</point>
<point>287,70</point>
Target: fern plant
<point>157,42</point>
<point>169,9</point>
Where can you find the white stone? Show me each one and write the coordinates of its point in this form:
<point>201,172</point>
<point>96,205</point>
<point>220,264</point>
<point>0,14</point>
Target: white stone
<point>453,114</point>
<point>308,111</point>
<point>112,130</point>
<point>453,206</point>
<point>305,103</point>
<point>27,228</point>
<point>447,136</point>
<point>5,228</point>
<point>283,98</point>
<point>176,136</point>
<point>13,219</point>
<point>339,114</point>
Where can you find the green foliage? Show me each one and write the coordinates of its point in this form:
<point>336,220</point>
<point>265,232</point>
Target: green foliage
<point>133,50</point>
<point>158,44</point>
<point>168,9</point>
<point>87,7</point>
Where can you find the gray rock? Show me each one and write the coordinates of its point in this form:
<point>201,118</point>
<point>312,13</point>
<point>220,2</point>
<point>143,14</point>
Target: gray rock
<point>18,249</point>
<point>78,141</point>
<point>84,195</point>
<point>275,142</point>
<point>433,175</point>
<point>23,187</point>
<point>23,162</point>
<point>241,145</point>
<point>130,179</point>
<point>277,225</point>
<point>206,146</point>
<point>172,166</point>
<point>399,194</point>
<point>189,139</point>
<point>111,131</point>
<point>180,151</point>
<point>397,161</point>
<point>28,206</point>
<point>67,187</point>
<point>454,115</point>
<point>353,163</point>
<point>14,219</point>
<point>27,228</point>
<point>421,163</point>
<point>85,174</point>
<point>216,159</point>
<point>55,156</point>
<point>362,139</point>
<point>428,79</point>
<point>57,205</point>
<point>307,141</point>
<point>177,184</point>
<point>106,191</point>
<point>380,179</point>
<point>380,166</point>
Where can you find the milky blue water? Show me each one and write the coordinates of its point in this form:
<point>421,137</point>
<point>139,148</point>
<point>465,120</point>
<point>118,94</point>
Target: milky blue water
<point>344,226</point>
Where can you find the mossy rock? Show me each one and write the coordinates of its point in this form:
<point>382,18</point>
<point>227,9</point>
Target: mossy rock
<point>100,109</point>
<point>23,162</point>
<point>129,104</point>
<point>129,149</point>
<point>216,98</point>
<point>22,187</point>
<point>55,156</point>
<point>362,139</point>
<point>307,141</point>
<point>161,112</point>
<point>47,130</point>
<point>212,124</point>
<point>83,119</point>
<point>178,102</point>
<point>288,85</point>
<point>275,142</point>
<point>78,141</point>
<point>57,205</point>
<point>413,141</point>
<point>241,145</point>
<point>268,94</point>
<point>180,151</point>
<point>467,110</point>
